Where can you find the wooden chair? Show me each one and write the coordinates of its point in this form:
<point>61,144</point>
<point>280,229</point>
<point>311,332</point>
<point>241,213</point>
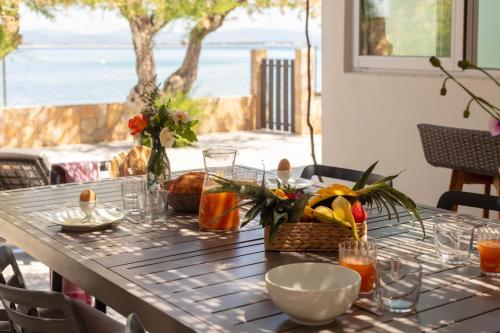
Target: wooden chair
<point>22,170</point>
<point>337,173</point>
<point>134,324</point>
<point>451,199</point>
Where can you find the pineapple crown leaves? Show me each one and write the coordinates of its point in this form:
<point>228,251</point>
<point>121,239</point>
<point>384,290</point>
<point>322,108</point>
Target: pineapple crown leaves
<point>383,196</point>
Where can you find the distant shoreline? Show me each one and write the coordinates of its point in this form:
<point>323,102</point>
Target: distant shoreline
<point>162,45</point>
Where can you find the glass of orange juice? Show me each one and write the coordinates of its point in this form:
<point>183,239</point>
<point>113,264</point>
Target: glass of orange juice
<point>218,211</point>
<point>360,256</point>
<point>488,244</point>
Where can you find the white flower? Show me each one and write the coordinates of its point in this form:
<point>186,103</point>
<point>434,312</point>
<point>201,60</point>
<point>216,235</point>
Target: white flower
<point>166,138</point>
<point>181,116</point>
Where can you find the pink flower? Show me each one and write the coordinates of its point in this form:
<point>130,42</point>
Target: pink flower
<point>494,126</point>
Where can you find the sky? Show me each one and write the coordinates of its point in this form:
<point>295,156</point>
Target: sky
<point>85,21</point>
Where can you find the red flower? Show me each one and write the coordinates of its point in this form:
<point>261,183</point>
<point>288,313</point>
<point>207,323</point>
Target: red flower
<point>358,212</point>
<point>297,195</point>
<point>137,124</point>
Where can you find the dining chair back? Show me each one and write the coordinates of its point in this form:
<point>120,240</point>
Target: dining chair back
<point>10,274</point>
<point>338,173</point>
<point>134,324</point>
<point>22,170</point>
<point>450,199</point>
<point>45,311</point>
<point>24,310</point>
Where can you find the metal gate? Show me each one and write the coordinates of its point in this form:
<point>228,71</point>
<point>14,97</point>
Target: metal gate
<point>277,100</point>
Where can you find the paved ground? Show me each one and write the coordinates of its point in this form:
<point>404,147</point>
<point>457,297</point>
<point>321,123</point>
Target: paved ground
<point>254,149</point>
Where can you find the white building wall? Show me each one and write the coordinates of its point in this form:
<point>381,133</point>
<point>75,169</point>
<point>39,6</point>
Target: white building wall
<point>374,116</point>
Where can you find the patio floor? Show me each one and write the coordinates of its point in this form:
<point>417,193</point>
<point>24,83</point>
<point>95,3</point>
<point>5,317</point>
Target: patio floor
<point>254,148</point>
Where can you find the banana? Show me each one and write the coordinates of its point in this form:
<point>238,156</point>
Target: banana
<point>342,211</point>
<point>326,215</point>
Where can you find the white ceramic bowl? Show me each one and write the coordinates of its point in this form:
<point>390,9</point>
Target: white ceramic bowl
<point>313,293</point>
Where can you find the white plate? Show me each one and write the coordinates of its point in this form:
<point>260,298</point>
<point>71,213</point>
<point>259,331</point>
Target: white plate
<point>73,219</point>
<point>297,183</point>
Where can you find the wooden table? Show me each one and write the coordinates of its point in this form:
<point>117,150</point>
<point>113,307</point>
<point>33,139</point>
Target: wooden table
<point>181,280</point>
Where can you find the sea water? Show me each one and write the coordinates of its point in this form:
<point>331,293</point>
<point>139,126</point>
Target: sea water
<point>65,75</point>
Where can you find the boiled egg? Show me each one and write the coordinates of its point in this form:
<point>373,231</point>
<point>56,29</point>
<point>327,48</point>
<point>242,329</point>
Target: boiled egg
<point>87,195</point>
<point>284,164</point>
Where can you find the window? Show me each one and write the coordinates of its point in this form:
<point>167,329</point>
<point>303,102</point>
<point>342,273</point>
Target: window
<point>487,25</point>
<point>410,28</point>
<point>395,34</point>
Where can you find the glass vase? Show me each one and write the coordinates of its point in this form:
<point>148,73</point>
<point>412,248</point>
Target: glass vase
<point>158,166</point>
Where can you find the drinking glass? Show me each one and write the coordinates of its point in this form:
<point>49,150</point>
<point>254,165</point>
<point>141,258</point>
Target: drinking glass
<point>360,256</point>
<point>488,244</point>
<point>453,242</point>
<point>399,282</point>
<point>219,161</point>
<point>134,196</point>
<point>155,207</point>
<point>218,212</point>
<point>245,175</point>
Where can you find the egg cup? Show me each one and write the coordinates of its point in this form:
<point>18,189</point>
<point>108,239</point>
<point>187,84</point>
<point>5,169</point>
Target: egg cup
<point>88,208</point>
<point>284,176</point>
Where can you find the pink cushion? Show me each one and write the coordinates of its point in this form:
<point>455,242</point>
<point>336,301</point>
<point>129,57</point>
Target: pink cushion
<point>73,291</point>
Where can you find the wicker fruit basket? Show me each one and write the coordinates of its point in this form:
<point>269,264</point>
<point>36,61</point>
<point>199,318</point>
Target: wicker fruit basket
<point>184,202</point>
<point>311,237</point>
<point>296,220</point>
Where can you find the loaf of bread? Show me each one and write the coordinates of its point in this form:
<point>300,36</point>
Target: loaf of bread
<point>188,183</point>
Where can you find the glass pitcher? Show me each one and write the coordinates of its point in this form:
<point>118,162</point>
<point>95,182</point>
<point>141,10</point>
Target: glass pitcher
<point>218,212</point>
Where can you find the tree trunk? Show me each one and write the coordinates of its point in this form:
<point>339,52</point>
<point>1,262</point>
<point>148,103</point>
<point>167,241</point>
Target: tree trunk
<point>143,31</point>
<point>183,78</point>
<point>9,14</point>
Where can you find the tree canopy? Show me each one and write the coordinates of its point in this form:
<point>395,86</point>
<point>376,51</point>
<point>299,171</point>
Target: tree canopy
<point>9,26</point>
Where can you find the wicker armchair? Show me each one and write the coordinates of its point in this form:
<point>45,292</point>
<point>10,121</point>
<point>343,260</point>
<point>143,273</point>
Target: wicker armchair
<point>473,155</point>
<point>461,149</point>
<point>22,170</point>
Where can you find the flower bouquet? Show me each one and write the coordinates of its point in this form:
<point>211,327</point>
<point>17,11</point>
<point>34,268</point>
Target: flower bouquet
<point>298,221</point>
<point>160,126</point>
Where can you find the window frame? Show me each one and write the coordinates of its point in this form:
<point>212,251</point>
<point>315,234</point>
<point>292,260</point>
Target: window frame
<point>361,62</point>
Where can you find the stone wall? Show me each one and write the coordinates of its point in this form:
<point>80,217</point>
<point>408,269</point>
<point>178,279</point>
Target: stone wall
<point>226,114</point>
<point>57,125</point>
